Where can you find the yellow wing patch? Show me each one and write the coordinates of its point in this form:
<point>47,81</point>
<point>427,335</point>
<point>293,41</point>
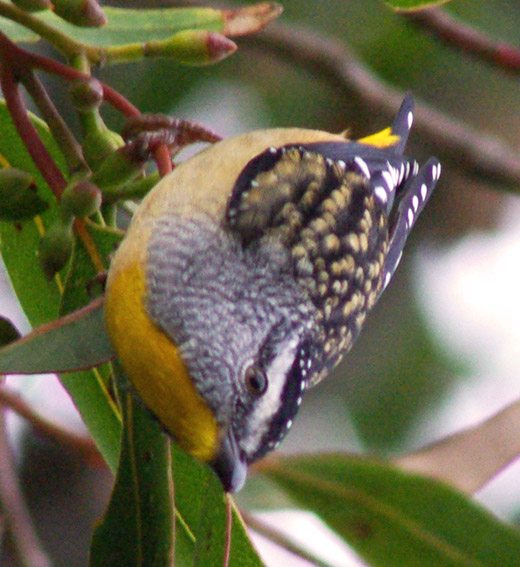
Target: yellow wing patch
<point>382,139</point>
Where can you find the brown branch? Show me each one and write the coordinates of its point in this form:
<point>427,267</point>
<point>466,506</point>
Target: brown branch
<point>19,523</point>
<point>69,146</point>
<point>79,443</point>
<point>466,38</point>
<point>454,142</point>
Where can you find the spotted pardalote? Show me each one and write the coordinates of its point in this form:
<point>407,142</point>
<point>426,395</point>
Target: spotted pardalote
<point>247,273</point>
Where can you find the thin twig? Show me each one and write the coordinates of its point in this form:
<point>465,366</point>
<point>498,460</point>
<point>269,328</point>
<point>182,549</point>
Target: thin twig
<point>21,528</point>
<point>61,41</point>
<point>454,142</point>
<point>111,96</point>
<point>79,443</point>
<point>277,537</point>
<point>466,38</point>
<point>69,146</point>
<point>18,111</point>
<point>229,530</point>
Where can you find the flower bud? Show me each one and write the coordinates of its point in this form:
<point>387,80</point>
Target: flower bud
<point>86,94</point>
<point>56,248</point>
<point>85,13</point>
<point>81,199</point>
<point>19,199</point>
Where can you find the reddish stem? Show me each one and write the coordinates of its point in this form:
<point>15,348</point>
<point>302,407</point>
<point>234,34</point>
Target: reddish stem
<point>229,529</point>
<point>16,106</point>
<point>110,95</point>
<point>163,159</point>
<point>118,101</point>
<point>467,38</point>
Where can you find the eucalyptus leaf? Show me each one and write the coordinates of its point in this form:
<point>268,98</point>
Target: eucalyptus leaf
<point>138,526</point>
<point>40,299</point>
<point>74,342</point>
<point>414,4</point>
<point>396,519</point>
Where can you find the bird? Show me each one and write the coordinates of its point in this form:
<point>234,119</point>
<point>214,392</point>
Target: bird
<point>247,273</point>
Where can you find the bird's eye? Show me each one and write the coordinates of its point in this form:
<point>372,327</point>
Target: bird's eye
<point>256,380</point>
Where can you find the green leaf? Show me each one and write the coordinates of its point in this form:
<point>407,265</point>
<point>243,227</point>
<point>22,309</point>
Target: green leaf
<point>394,518</point>
<point>202,518</point>
<point>19,242</point>
<point>138,526</point>
<point>130,26</point>
<point>19,199</point>
<point>82,279</point>
<point>127,26</point>
<point>40,298</point>
<point>89,391</point>
<point>410,5</point>
<point>74,342</point>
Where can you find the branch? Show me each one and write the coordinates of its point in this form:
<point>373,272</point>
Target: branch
<point>18,111</point>
<point>453,141</point>
<point>61,41</point>
<point>79,443</point>
<point>19,523</point>
<point>69,146</point>
<point>466,38</point>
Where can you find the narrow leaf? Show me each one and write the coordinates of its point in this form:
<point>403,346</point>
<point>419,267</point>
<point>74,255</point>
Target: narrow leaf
<point>138,526</point>
<point>413,5</point>
<point>39,298</point>
<point>126,26</point>
<point>201,518</point>
<point>74,342</point>
<point>394,518</point>
<point>471,458</point>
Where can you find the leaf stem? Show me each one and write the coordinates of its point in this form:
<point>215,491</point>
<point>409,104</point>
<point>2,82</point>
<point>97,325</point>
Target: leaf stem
<point>62,42</point>
<point>16,106</point>
<point>69,146</point>
<point>81,230</point>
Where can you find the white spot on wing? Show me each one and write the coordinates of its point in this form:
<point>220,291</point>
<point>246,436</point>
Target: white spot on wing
<point>362,164</point>
<point>424,190</point>
<point>381,194</point>
<point>387,176</point>
<point>410,119</point>
<point>410,217</point>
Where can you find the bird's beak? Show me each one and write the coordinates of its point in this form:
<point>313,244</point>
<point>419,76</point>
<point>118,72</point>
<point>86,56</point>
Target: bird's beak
<point>229,465</point>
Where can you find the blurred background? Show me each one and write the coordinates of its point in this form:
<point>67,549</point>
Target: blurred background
<point>440,351</point>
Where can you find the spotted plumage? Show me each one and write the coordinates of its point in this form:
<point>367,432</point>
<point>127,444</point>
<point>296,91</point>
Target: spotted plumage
<point>344,210</point>
<point>248,272</point>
